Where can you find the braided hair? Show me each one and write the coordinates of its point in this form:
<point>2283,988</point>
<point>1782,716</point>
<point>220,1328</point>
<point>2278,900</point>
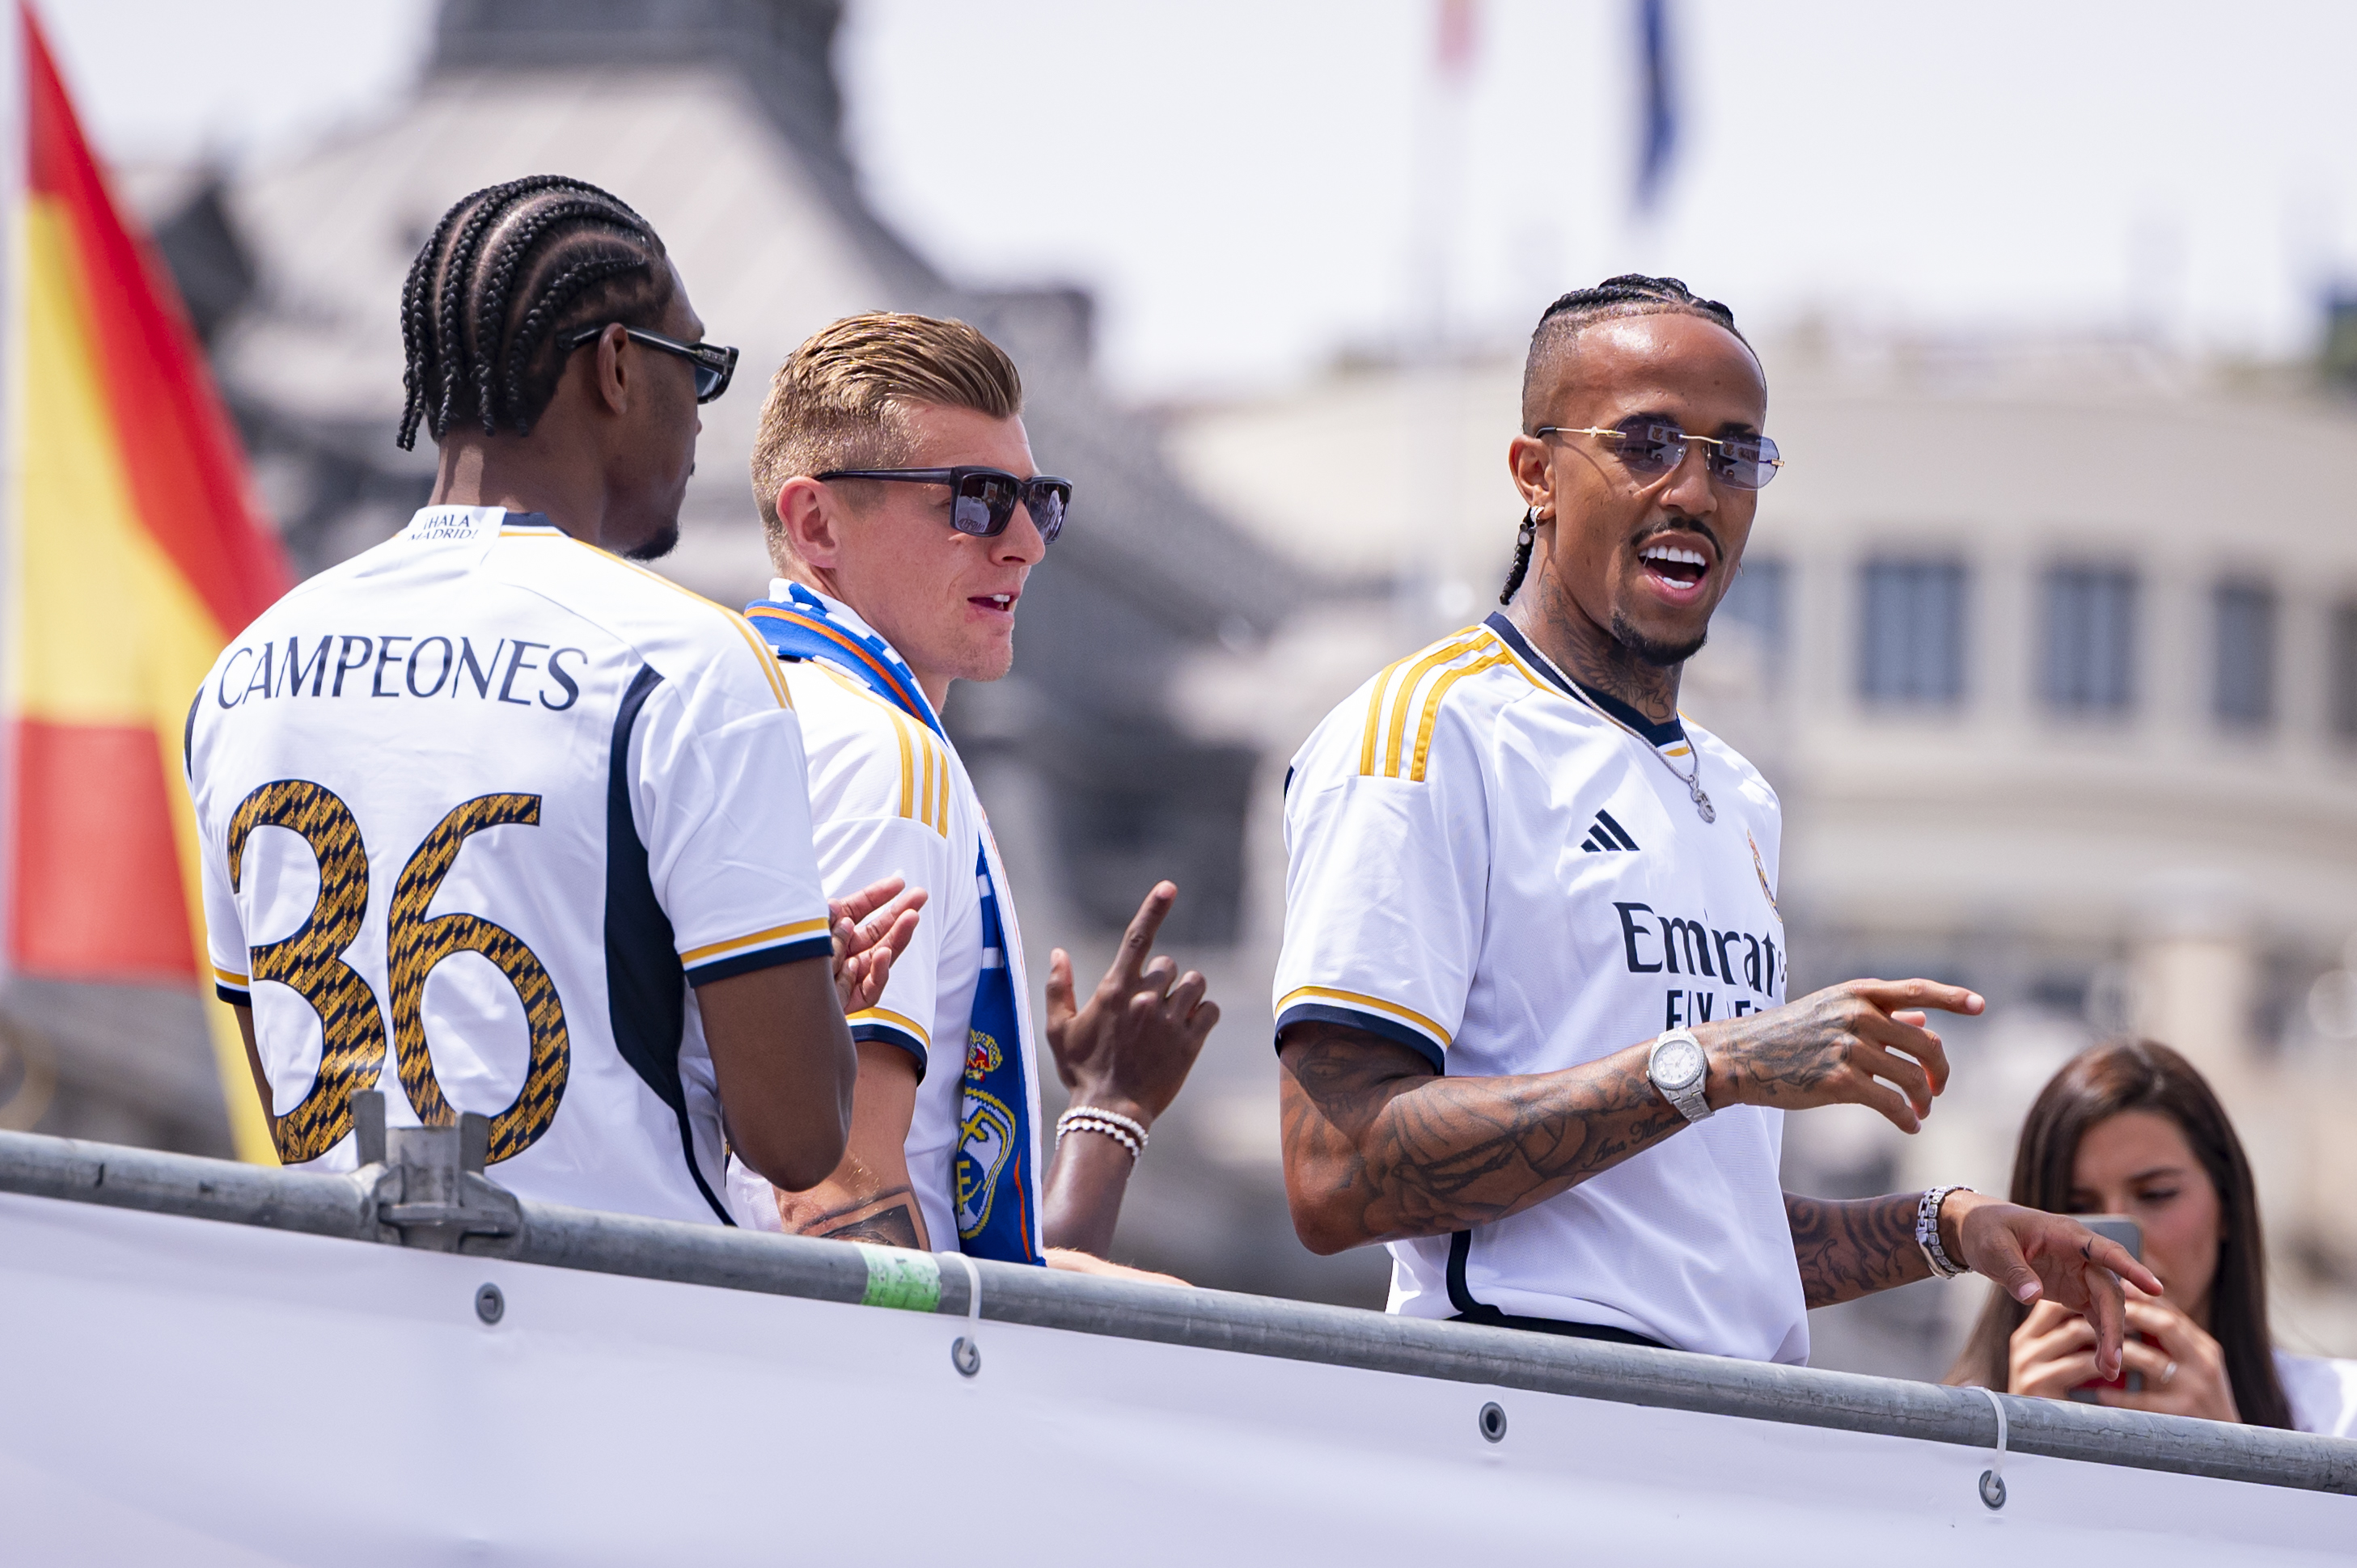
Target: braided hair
<point>1630,294</point>
<point>490,299</point>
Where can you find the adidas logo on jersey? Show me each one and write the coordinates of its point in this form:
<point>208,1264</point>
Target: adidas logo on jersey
<point>1606,835</point>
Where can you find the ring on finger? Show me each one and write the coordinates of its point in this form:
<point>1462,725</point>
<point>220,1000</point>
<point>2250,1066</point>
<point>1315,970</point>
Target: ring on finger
<point>2167,1373</point>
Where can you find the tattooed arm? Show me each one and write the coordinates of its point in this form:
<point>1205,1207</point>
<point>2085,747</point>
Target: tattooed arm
<point>867,1197</point>
<point>1854,1248</point>
<point>1847,1250</point>
<point>1379,1148</point>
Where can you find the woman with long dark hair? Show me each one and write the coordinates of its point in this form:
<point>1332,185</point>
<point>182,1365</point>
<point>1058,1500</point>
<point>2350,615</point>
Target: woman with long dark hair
<point>2133,1129</point>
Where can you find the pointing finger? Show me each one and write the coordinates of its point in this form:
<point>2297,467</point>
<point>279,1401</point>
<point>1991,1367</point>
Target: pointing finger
<point>1138,940</point>
<point>1888,994</point>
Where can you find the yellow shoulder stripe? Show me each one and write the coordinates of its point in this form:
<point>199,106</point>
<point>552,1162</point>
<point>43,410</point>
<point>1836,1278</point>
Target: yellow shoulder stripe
<point>924,774</point>
<point>924,762</point>
<point>1489,660</point>
<point>1405,702</point>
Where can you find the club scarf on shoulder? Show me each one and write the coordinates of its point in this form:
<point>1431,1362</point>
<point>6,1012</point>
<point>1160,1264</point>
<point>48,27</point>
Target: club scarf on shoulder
<point>997,1170</point>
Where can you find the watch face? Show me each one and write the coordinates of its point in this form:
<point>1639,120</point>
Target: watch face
<point>1678,1065</point>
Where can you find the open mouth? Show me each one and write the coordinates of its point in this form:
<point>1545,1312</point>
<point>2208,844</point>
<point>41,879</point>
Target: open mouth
<point>1678,566</point>
<point>1001,604</point>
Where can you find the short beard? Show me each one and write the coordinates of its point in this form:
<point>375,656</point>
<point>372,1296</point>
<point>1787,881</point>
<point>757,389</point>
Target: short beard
<point>1661,655</point>
<point>664,539</point>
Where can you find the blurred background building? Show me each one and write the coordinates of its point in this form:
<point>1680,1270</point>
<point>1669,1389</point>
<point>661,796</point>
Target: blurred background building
<point>2048,638</point>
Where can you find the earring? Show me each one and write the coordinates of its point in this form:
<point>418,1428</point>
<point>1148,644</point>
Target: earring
<point>1528,534</point>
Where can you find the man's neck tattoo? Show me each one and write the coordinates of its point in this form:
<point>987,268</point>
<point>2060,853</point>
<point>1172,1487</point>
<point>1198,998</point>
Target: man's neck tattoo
<point>1622,663</point>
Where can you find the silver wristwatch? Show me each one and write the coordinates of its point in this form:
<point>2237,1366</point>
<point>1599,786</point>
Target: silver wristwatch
<point>1677,1068</point>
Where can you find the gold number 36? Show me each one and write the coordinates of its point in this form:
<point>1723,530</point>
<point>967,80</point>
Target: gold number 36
<point>352,1026</point>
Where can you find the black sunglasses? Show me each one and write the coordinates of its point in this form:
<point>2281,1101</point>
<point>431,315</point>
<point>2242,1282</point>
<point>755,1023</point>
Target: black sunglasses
<point>713,364</point>
<point>983,500</point>
<point>1650,447</point>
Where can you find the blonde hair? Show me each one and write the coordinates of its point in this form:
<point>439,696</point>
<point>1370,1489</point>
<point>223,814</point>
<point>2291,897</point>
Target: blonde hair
<point>840,401</point>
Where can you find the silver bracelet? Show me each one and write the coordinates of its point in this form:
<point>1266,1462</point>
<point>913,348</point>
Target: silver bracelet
<point>1927,1232</point>
<point>1125,1131</point>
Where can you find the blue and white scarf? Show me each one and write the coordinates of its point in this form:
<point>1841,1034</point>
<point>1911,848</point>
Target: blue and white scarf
<point>998,1176</point>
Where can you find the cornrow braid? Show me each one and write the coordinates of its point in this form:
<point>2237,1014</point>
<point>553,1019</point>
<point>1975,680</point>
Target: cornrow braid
<point>486,301</point>
<point>516,238</point>
<point>416,325</point>
<point>556,296</point>
<point>1630,293</point>
<point>1524,538</point>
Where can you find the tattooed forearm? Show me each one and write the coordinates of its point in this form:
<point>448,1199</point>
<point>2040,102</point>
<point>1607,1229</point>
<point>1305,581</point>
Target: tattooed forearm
<point>1378,1148</point>
<point>1851,1249</point>
<point>888,1218</point>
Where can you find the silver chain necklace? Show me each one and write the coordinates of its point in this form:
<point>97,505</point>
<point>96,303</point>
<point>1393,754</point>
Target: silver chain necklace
<point>1692,781</point>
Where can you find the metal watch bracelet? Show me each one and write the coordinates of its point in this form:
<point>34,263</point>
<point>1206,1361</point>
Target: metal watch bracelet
<point>1927,1232</point>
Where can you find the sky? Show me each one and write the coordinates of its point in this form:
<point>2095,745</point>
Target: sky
<point>1254,189</point>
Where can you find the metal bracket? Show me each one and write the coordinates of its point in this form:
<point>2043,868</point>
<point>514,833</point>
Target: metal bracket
<point>431,1192</point>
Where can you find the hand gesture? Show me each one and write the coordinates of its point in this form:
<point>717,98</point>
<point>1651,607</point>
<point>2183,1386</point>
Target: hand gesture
<point>1845,1045</point>
<point>2049,1259</point>
<point>1131,1048</point>
<point>871,928</point>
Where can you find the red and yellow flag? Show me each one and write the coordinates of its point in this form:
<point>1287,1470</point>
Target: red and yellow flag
<point>135,552</point>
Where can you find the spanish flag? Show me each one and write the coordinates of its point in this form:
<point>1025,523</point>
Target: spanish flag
<point>134,551</point>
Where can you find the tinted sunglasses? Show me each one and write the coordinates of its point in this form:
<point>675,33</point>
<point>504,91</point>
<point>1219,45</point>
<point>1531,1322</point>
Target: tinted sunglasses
<point>1650,448</point>
<point>981,500</point>
<point>713,364</point>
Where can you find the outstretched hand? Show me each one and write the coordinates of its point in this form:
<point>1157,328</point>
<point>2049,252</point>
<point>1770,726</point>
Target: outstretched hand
<point>871,928</point>
<point>1866,1042</point>
<point>2035,1256</point>
<point>1130,1048</point>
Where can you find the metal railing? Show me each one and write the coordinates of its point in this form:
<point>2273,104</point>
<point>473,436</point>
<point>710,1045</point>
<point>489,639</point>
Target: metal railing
<point>423,1187</point>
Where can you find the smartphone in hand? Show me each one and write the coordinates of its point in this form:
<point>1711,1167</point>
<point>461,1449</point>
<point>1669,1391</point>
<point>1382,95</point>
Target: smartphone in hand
<point>2129,1234</point>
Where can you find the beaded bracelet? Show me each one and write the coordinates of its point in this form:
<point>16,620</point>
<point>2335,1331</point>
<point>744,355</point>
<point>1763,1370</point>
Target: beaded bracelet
<point>1123,1130</point>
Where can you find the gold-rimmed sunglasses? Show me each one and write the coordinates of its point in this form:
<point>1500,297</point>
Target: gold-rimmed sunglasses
<point>1650,447</point>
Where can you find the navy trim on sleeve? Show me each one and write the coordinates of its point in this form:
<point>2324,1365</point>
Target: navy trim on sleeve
<point>887,1034</point>
<point>820,946</point>
<point>234,996</point>
<point>1373,1023</point>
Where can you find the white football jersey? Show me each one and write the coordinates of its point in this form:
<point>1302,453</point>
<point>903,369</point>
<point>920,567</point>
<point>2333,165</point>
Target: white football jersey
<point>479,808</point>
<point>888,797</point>
<point>1485,869</point>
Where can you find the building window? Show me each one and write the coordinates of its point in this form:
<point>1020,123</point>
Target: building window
<point>1912,646</point>
<point>1757,600</point>
<point>2344,672</point>
<point>2243,687</point>
<point>2090,655</point>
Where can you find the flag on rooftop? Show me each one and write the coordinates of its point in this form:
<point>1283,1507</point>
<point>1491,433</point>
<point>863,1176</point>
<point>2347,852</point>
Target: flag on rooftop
<point>134,552</point>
